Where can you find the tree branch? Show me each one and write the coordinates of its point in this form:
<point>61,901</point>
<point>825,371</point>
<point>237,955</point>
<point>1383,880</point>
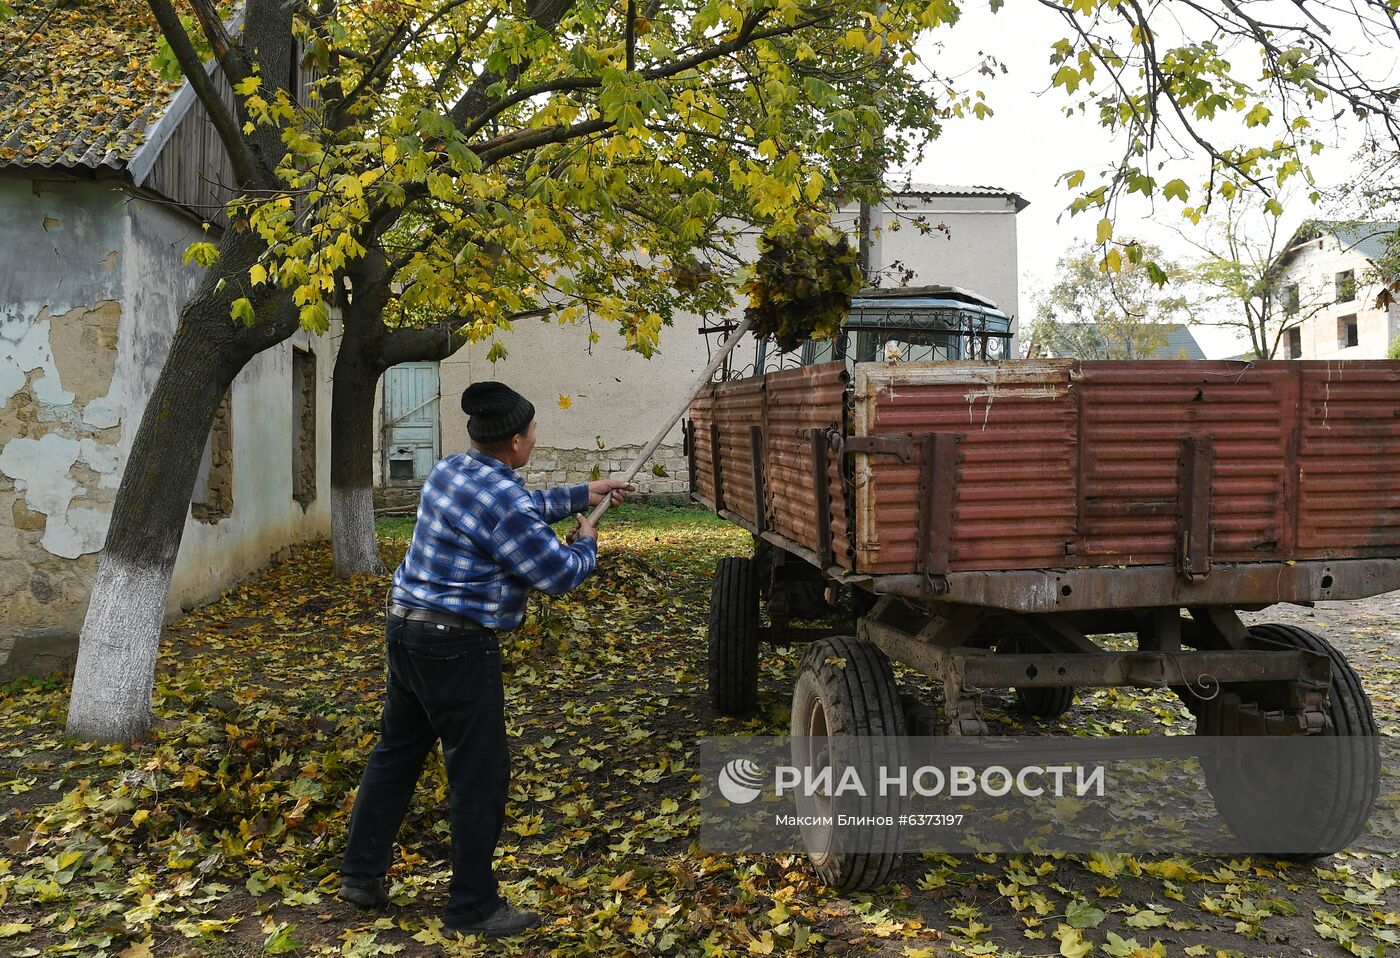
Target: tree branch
<point>245,166</point>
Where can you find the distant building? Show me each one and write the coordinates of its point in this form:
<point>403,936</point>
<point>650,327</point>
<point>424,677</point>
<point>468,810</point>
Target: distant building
<point>107,173</point>
<point>1084,341</point>
<point>921,234</point>
<point>1330,281</point>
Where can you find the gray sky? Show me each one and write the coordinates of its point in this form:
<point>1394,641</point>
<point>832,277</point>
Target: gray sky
<point>1029,143</point>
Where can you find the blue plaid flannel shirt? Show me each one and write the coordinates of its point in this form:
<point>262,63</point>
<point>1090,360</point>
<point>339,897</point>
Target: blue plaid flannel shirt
<point>482,542</point>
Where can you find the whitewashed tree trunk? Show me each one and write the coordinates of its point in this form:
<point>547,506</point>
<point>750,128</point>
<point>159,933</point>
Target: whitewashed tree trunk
<point>367,349</point>
<point>111,698</point>
<point>353,538</point>
<point>120,637</point>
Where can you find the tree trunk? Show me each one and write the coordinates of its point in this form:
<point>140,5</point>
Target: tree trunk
<point>120,637</point>
<point>353,542</point>
<point>366,350</point>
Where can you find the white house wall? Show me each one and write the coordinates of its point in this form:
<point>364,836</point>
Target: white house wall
<point>977,251</point>
<point>60,407</point>
<point>620,399</point>
<point>91,285</point>
<point>265,517</point>
<point>1314,269</point>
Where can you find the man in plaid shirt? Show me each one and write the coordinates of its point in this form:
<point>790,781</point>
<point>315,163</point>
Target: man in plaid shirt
<point>480,544</point>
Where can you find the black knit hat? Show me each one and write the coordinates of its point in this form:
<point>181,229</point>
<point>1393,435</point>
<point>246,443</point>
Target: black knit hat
<point>497,412</point>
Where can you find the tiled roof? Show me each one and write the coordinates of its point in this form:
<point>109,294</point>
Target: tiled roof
<point>1178,343</point>
<point>77,85</point>
<point>1370,239</point>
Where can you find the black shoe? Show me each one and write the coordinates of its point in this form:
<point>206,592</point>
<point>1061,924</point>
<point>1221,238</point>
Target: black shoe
<point>365,896</point>
<point>500,923</point>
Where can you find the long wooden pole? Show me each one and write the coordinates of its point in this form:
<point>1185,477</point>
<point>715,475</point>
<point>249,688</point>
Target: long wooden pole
<point>700,383</point>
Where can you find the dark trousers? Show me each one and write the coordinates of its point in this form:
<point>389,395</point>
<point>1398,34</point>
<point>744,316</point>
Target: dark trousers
<point>444,684</point>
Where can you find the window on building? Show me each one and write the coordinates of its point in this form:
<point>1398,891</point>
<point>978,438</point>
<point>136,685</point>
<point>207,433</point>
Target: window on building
<point>1290,299</point>
<point>1347,333</point>
<point>213,490</point>
<point>304,426</point>
<point>1295,343</point>
<point>1346,286</point>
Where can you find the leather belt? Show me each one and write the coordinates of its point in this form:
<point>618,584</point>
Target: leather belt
<point>437,618</point>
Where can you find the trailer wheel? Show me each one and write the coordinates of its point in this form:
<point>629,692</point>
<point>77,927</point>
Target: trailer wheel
<point>1047,702</point>
<point>846,711</point>
<point>734,627</point>
<point>1310,815</point>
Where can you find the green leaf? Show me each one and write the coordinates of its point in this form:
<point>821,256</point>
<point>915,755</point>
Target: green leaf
<point>242,310</point>
<point>204,254</point>
<point>1081,914</point>
<point>1176,189</point>
<point>1105,231</point>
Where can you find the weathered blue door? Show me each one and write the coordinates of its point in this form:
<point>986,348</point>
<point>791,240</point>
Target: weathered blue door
<point>410,429</point>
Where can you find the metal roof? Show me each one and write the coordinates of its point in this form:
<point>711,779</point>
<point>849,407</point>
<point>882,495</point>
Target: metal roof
<point>77,89</point>
<point>944,189</point>
<point>905,293</point>
<point>1370,238</point>
<point>1178,343</point>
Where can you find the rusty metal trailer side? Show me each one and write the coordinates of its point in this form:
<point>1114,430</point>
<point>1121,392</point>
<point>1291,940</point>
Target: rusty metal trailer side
<point>1053,486</point>
<point>775,433</point>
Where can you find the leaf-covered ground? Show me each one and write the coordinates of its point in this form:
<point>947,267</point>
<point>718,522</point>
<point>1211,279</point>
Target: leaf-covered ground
<point>222,836</point>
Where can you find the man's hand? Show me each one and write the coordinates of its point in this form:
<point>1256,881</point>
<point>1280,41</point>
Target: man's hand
<point>605,488</point>
<point>584,530</point>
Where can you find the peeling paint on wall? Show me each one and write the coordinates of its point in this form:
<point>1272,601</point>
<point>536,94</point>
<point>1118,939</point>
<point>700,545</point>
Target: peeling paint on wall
<point>52,374</point>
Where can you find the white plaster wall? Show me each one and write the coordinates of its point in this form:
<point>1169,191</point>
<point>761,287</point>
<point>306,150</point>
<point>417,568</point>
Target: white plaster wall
<point>1314,269</point>
<point>621,399</point>
<point>58,256</point>
<point>977,252</point>
<point>265,518</point>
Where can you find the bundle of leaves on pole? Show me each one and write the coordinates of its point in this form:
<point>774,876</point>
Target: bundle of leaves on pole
<point>802,285</point>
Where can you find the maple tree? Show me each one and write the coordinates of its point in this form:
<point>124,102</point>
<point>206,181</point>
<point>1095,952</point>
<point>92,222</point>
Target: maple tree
<point>1094,313</point>
<point>585,158</point>
<point>566,155</point>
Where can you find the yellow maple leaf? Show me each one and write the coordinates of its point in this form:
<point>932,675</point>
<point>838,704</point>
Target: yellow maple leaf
<point>565,402</point>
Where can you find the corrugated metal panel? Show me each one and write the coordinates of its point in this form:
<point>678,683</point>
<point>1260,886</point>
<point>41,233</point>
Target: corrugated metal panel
<point>788,405</point>
<point>740,405</point>
<point>1133,416</point>
<point>1349,460</point>
<point>800,400</point>
<point>1014,499</point>
<point>1066,464</point>
<point>701,414</point>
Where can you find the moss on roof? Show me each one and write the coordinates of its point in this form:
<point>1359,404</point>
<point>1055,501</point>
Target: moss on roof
<point>78,84</point>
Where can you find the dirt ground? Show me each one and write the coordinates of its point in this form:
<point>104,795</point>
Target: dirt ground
<point>222,835</point>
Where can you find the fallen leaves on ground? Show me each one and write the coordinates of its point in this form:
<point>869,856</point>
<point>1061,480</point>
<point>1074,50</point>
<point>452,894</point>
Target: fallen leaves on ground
<point>222,835</point>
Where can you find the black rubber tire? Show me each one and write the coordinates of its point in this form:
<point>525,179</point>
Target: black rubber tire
<point>1040,701</point>
<point>846,694</point>
<point>1337,795</point>
<point>734,624</point>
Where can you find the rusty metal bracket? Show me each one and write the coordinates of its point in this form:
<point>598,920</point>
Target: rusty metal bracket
<point>760,496</point>
<point>938,472</point>
<point>821,489</point>
<point>1193,538</point>
<point>689,434</point>
<point>718,470</point>
<point>905,447</point>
